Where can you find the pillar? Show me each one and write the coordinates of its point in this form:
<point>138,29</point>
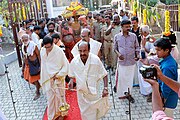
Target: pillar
<point>49,6</point>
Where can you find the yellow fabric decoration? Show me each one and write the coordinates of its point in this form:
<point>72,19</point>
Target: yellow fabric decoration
<point>145,17</point>
<point>23,12</point>
<point>75,9</point>
<point>38,5</point>
<point>167,23</point>
<point>1,34</point>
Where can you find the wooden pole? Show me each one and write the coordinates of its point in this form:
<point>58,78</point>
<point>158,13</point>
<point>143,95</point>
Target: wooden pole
<point>14,33</point>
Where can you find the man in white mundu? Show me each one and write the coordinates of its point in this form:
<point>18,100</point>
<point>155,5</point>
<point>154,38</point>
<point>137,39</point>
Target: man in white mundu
<point>95,45</point>
<point>88,71</point>
<point>127,49</point>
<point>54,68</point>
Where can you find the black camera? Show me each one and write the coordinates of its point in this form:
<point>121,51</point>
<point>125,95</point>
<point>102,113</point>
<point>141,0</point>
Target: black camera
<point>148,72</point>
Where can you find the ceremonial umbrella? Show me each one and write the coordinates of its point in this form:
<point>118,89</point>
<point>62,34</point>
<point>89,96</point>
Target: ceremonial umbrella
<point>75,9</point>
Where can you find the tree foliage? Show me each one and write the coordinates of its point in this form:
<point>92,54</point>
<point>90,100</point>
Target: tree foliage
<point>149,2</point>
<point>168,2</point>
<point>4,10</point>
<point>154,2</point>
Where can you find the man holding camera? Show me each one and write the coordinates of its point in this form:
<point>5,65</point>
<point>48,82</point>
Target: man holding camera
<point>168,67</point>
<point>157,104</point>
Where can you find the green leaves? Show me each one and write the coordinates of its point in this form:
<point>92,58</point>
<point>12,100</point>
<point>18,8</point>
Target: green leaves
<point>168,2</point>
<point>151,3</point>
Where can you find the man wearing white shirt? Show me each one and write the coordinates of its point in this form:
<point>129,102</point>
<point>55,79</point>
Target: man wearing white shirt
<point>35,36</point>
<point>88,70</point>
<point>54,68</point>
<point>95,45</point>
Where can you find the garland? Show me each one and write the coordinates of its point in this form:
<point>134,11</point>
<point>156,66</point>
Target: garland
<point>167,23</point>
<point>1,34</point>
<point>145,17</point>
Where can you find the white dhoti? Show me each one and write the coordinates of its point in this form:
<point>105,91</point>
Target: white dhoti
<point>88,76</point>
<point>145,87</point>
<point>54,64</point>
<point>136,81</point>
<point>92,107</point>
<point>55,98</point>
<point>125,79</point>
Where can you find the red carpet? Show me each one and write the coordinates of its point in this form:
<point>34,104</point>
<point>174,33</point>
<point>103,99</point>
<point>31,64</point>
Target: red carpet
<point>74,112</point>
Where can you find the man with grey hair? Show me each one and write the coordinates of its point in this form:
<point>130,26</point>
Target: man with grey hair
<point>88,70</point>
<point>85,35</point>
<point>147,46</point>
<point>31,67</point>
<point>146,39</point>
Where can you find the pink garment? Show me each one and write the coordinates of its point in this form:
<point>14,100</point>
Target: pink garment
<point>179,92</point>
<point>160,115</point>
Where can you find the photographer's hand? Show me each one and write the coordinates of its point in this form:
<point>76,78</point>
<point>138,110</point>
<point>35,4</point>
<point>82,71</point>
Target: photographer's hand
<point>174,85</point>
<point>152,82</point>
<point>159,72</point>
<point>156,98</point>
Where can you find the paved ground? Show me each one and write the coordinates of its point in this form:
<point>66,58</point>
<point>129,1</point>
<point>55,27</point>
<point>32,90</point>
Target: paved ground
<point>27,109</point>
<point>7,48</point>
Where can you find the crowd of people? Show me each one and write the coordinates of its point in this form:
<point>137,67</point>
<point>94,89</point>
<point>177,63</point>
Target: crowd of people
<point>63,54</point>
